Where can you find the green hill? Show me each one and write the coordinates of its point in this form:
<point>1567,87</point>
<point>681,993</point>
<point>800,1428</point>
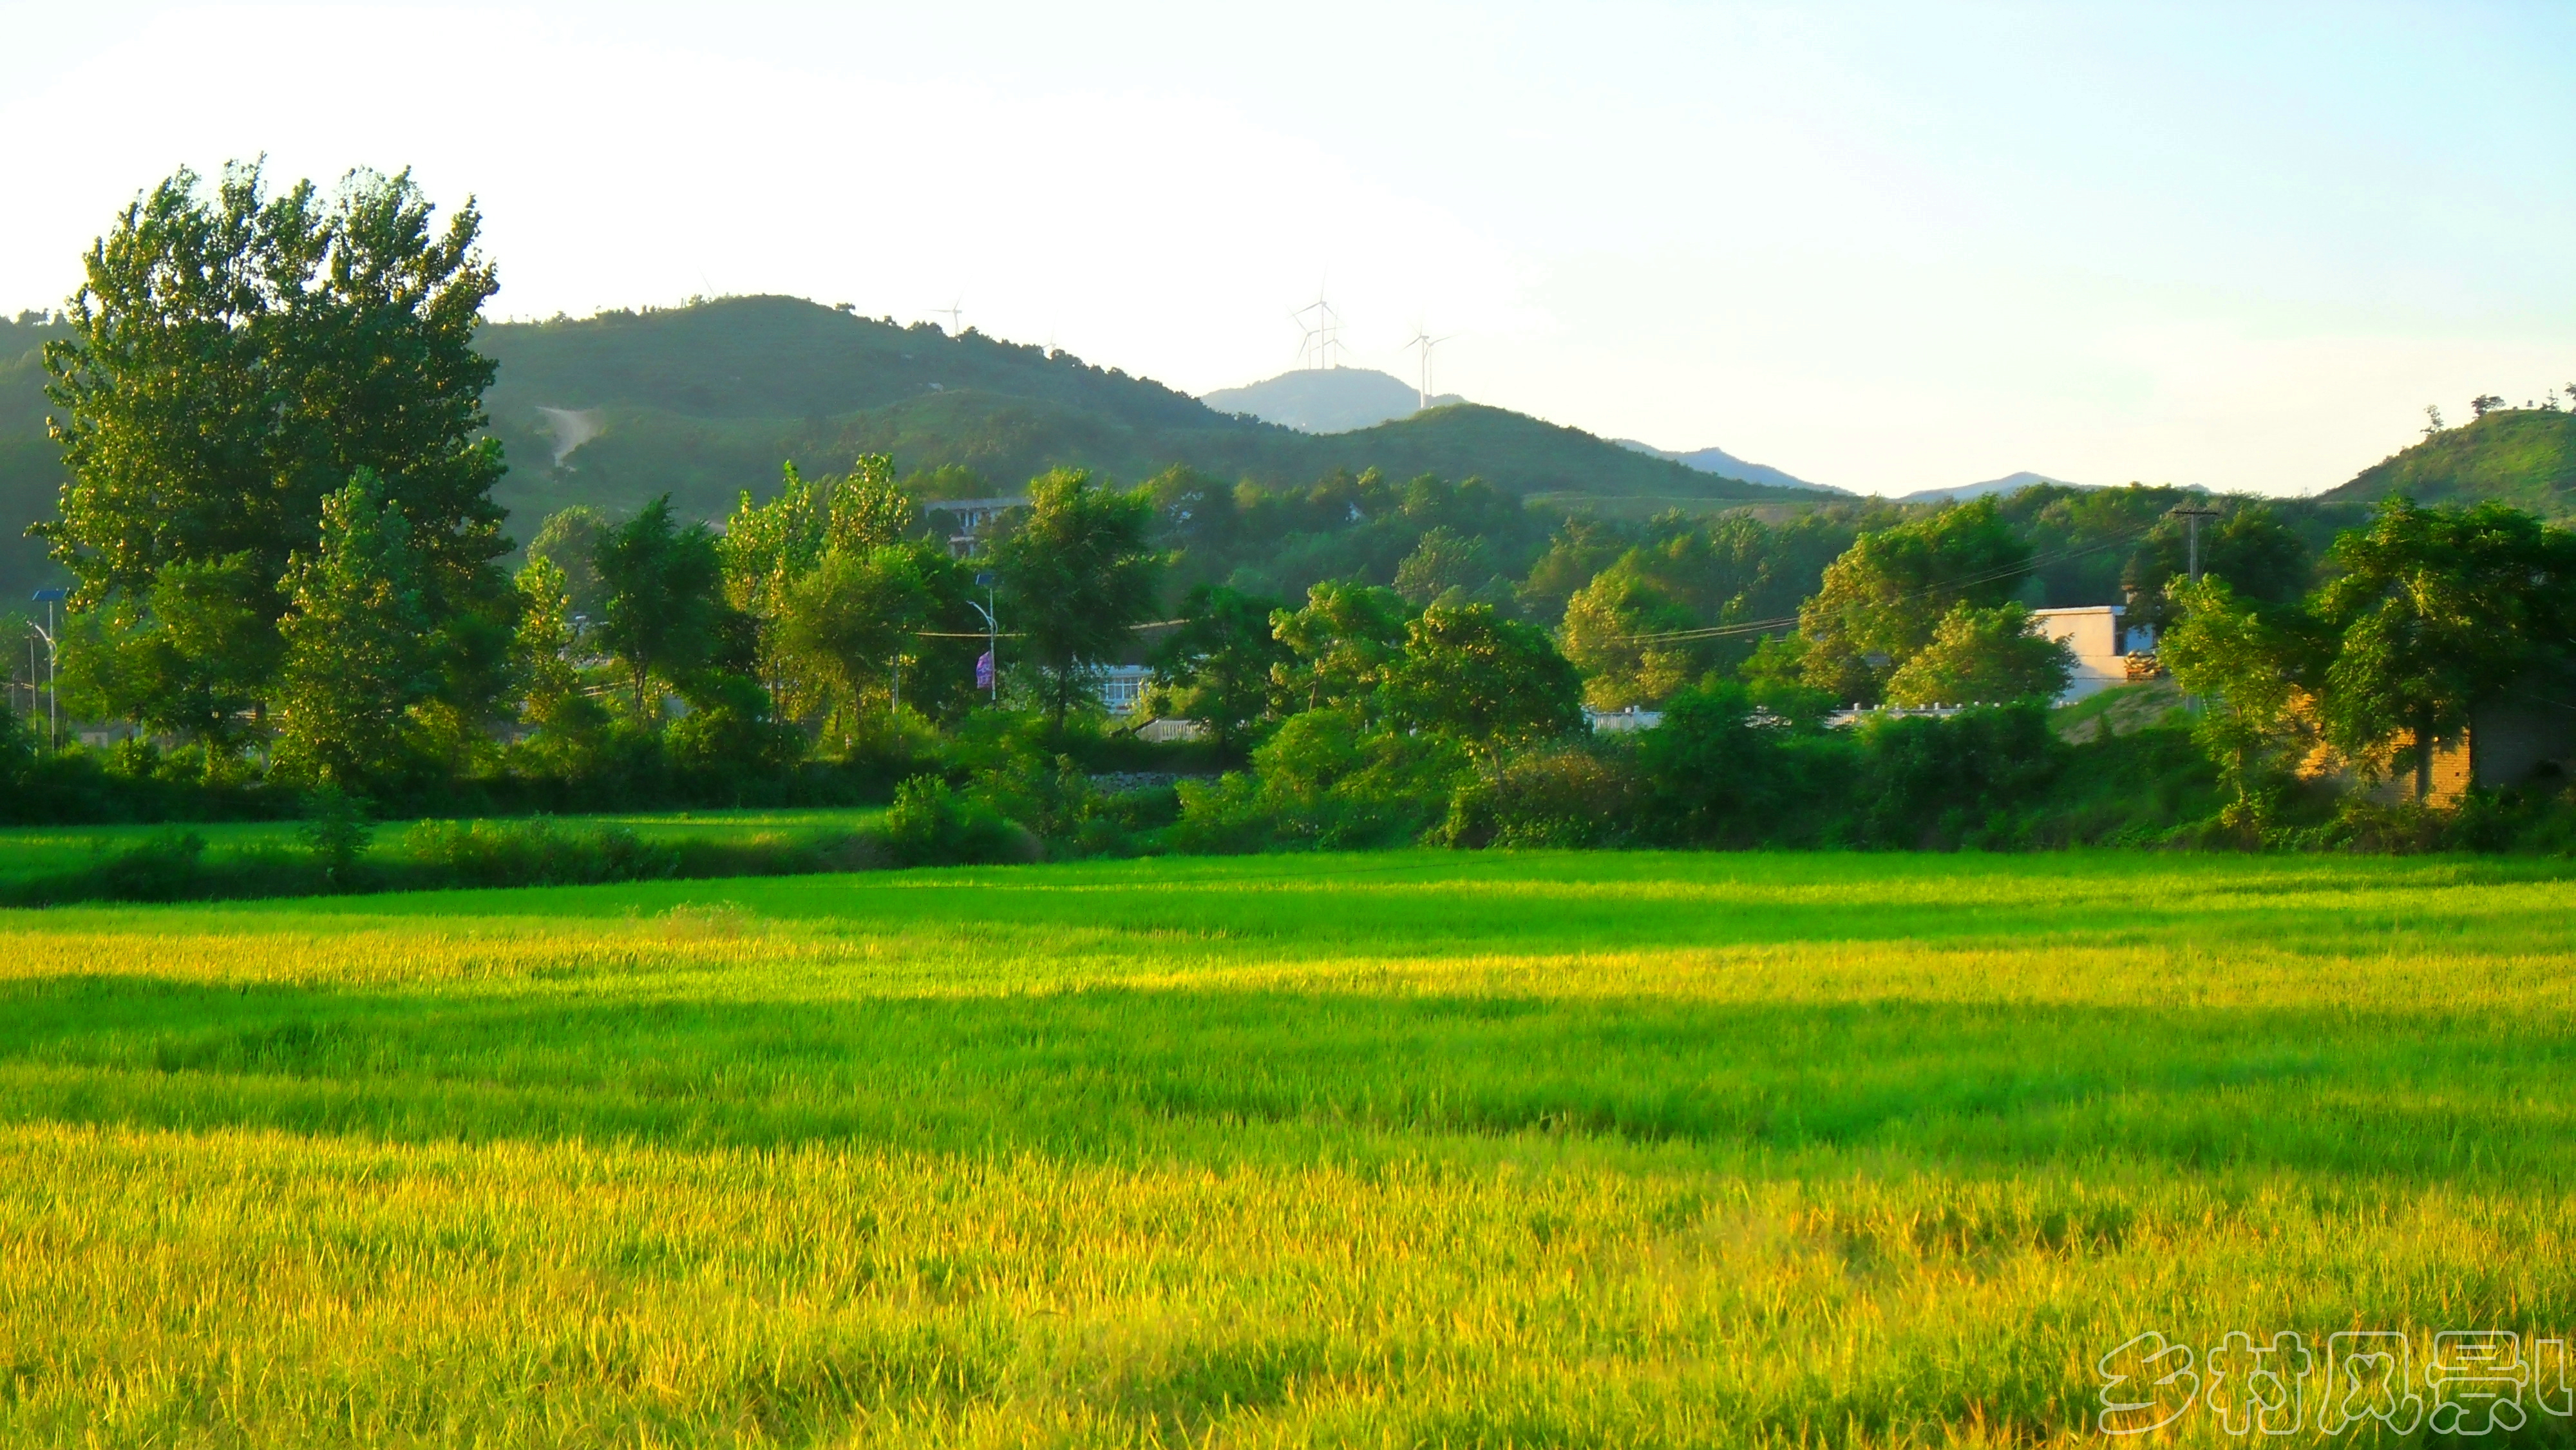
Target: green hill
<point>706,400</point>
<point>31,470</point>
<point>2522,456</point>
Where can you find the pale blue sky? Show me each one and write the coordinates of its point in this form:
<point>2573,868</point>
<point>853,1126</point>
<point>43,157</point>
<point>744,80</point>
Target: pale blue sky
<point>1879,246</point>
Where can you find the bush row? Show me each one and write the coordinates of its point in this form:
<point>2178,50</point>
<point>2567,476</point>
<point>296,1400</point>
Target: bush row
<point>174,865</point>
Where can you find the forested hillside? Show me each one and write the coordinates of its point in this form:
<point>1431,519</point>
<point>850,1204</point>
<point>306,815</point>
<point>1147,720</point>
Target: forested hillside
<point>31,469</point>
<point>2522,456</point>
<point>706,400</point>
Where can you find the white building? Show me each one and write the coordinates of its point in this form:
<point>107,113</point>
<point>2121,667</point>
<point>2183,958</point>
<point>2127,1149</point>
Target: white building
<point>1622,722</point>
<point>970,519</point>
<point>2101,642</point>
<point>1122,687</point>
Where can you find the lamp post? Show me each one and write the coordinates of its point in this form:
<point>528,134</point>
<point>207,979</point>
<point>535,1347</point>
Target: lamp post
<point>53,671</point>
<point>992,635</point>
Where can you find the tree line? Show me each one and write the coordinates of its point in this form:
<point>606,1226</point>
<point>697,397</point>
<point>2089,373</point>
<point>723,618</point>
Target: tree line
<point>289,565</point>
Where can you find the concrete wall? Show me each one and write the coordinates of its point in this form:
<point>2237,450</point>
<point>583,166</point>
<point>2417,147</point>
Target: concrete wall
<point>2095,634</point>
<point>2518,742</point>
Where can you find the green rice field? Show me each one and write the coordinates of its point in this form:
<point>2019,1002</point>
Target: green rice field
<point>1393,1150</point>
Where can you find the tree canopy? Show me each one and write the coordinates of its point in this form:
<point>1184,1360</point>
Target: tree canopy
<point>1881,601</point>
<point>235,357</point>
<point>1983,656</point>
<point>1078,571</point>
<point>661,613</point>
<point>2437,611</point>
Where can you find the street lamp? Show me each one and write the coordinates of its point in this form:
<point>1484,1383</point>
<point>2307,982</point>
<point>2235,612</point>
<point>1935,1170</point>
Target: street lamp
<point>53,673</point>
<point>992,636</point>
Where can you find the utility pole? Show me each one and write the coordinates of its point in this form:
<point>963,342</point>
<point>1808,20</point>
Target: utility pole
<point>53,666</point>
<point>2191,515</point>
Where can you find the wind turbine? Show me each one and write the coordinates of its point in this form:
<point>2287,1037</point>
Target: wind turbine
<point>1321,344</point>
<point>955,313</point>
<point>1423,340</point>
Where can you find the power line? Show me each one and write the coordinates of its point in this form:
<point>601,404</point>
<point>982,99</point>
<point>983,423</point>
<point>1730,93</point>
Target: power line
<point>1015,634</point>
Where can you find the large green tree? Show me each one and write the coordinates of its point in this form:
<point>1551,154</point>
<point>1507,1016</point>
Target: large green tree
<point>2261,558</point>
<point>236,356</point>
<point>236,359</point>
<point>569,540</point>
<point>772,553</point>
<point>2254,670</point>
<point>1215,668</point>
<point>1983,656</point>
<point>1443,561</point>
<point>566,720</point>
<point>2436,611</point>
<point>846,624</point>
<point>1620,631</point>
<point>357,652</point>
<point>661,612</point>
<point>1342,643</point>
<point>1486,682</point>
<point>1881,601</point>
<point>1078,573</point>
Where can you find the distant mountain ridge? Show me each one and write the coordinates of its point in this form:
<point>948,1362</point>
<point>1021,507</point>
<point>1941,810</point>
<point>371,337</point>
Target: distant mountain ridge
<point>1727,465</point>
<point>2009,484</point>
<point>1326,400</point>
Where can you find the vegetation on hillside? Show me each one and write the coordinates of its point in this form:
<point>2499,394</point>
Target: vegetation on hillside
<point>2525,457</point>
<point>697,400</point>
<point>31,464</point>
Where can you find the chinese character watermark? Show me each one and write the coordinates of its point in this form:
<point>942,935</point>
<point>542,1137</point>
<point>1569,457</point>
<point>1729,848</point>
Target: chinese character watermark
<point>2470,1382</point>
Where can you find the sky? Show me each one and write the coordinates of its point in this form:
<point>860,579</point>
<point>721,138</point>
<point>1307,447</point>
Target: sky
<point>1883,247</point>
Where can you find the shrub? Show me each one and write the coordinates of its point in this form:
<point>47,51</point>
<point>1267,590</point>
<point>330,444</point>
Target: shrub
<point>535,853</point>
<point>1565,796</point>
<point>1720,772</point>
<point>1327,781</point>
<point>335,831</point>
<point>930,824</point>
<point>727,738</point>
<point>161,867</point>
<point>1929,783</point>
<point>164,866</point>
<point>1229,816</point>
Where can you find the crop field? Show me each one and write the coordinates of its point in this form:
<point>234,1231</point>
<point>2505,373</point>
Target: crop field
<point>1414,1149</point>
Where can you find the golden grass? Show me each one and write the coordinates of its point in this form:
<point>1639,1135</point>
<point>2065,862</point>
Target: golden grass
<point>1422,1150</point>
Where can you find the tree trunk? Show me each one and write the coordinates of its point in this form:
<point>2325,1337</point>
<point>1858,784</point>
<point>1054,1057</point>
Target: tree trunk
<point>2423,758</point>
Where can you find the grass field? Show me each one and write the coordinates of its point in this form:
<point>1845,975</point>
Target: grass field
<point>1389,1150</point>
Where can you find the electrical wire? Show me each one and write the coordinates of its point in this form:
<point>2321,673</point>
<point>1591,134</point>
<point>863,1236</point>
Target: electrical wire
<point>1014,634</point>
